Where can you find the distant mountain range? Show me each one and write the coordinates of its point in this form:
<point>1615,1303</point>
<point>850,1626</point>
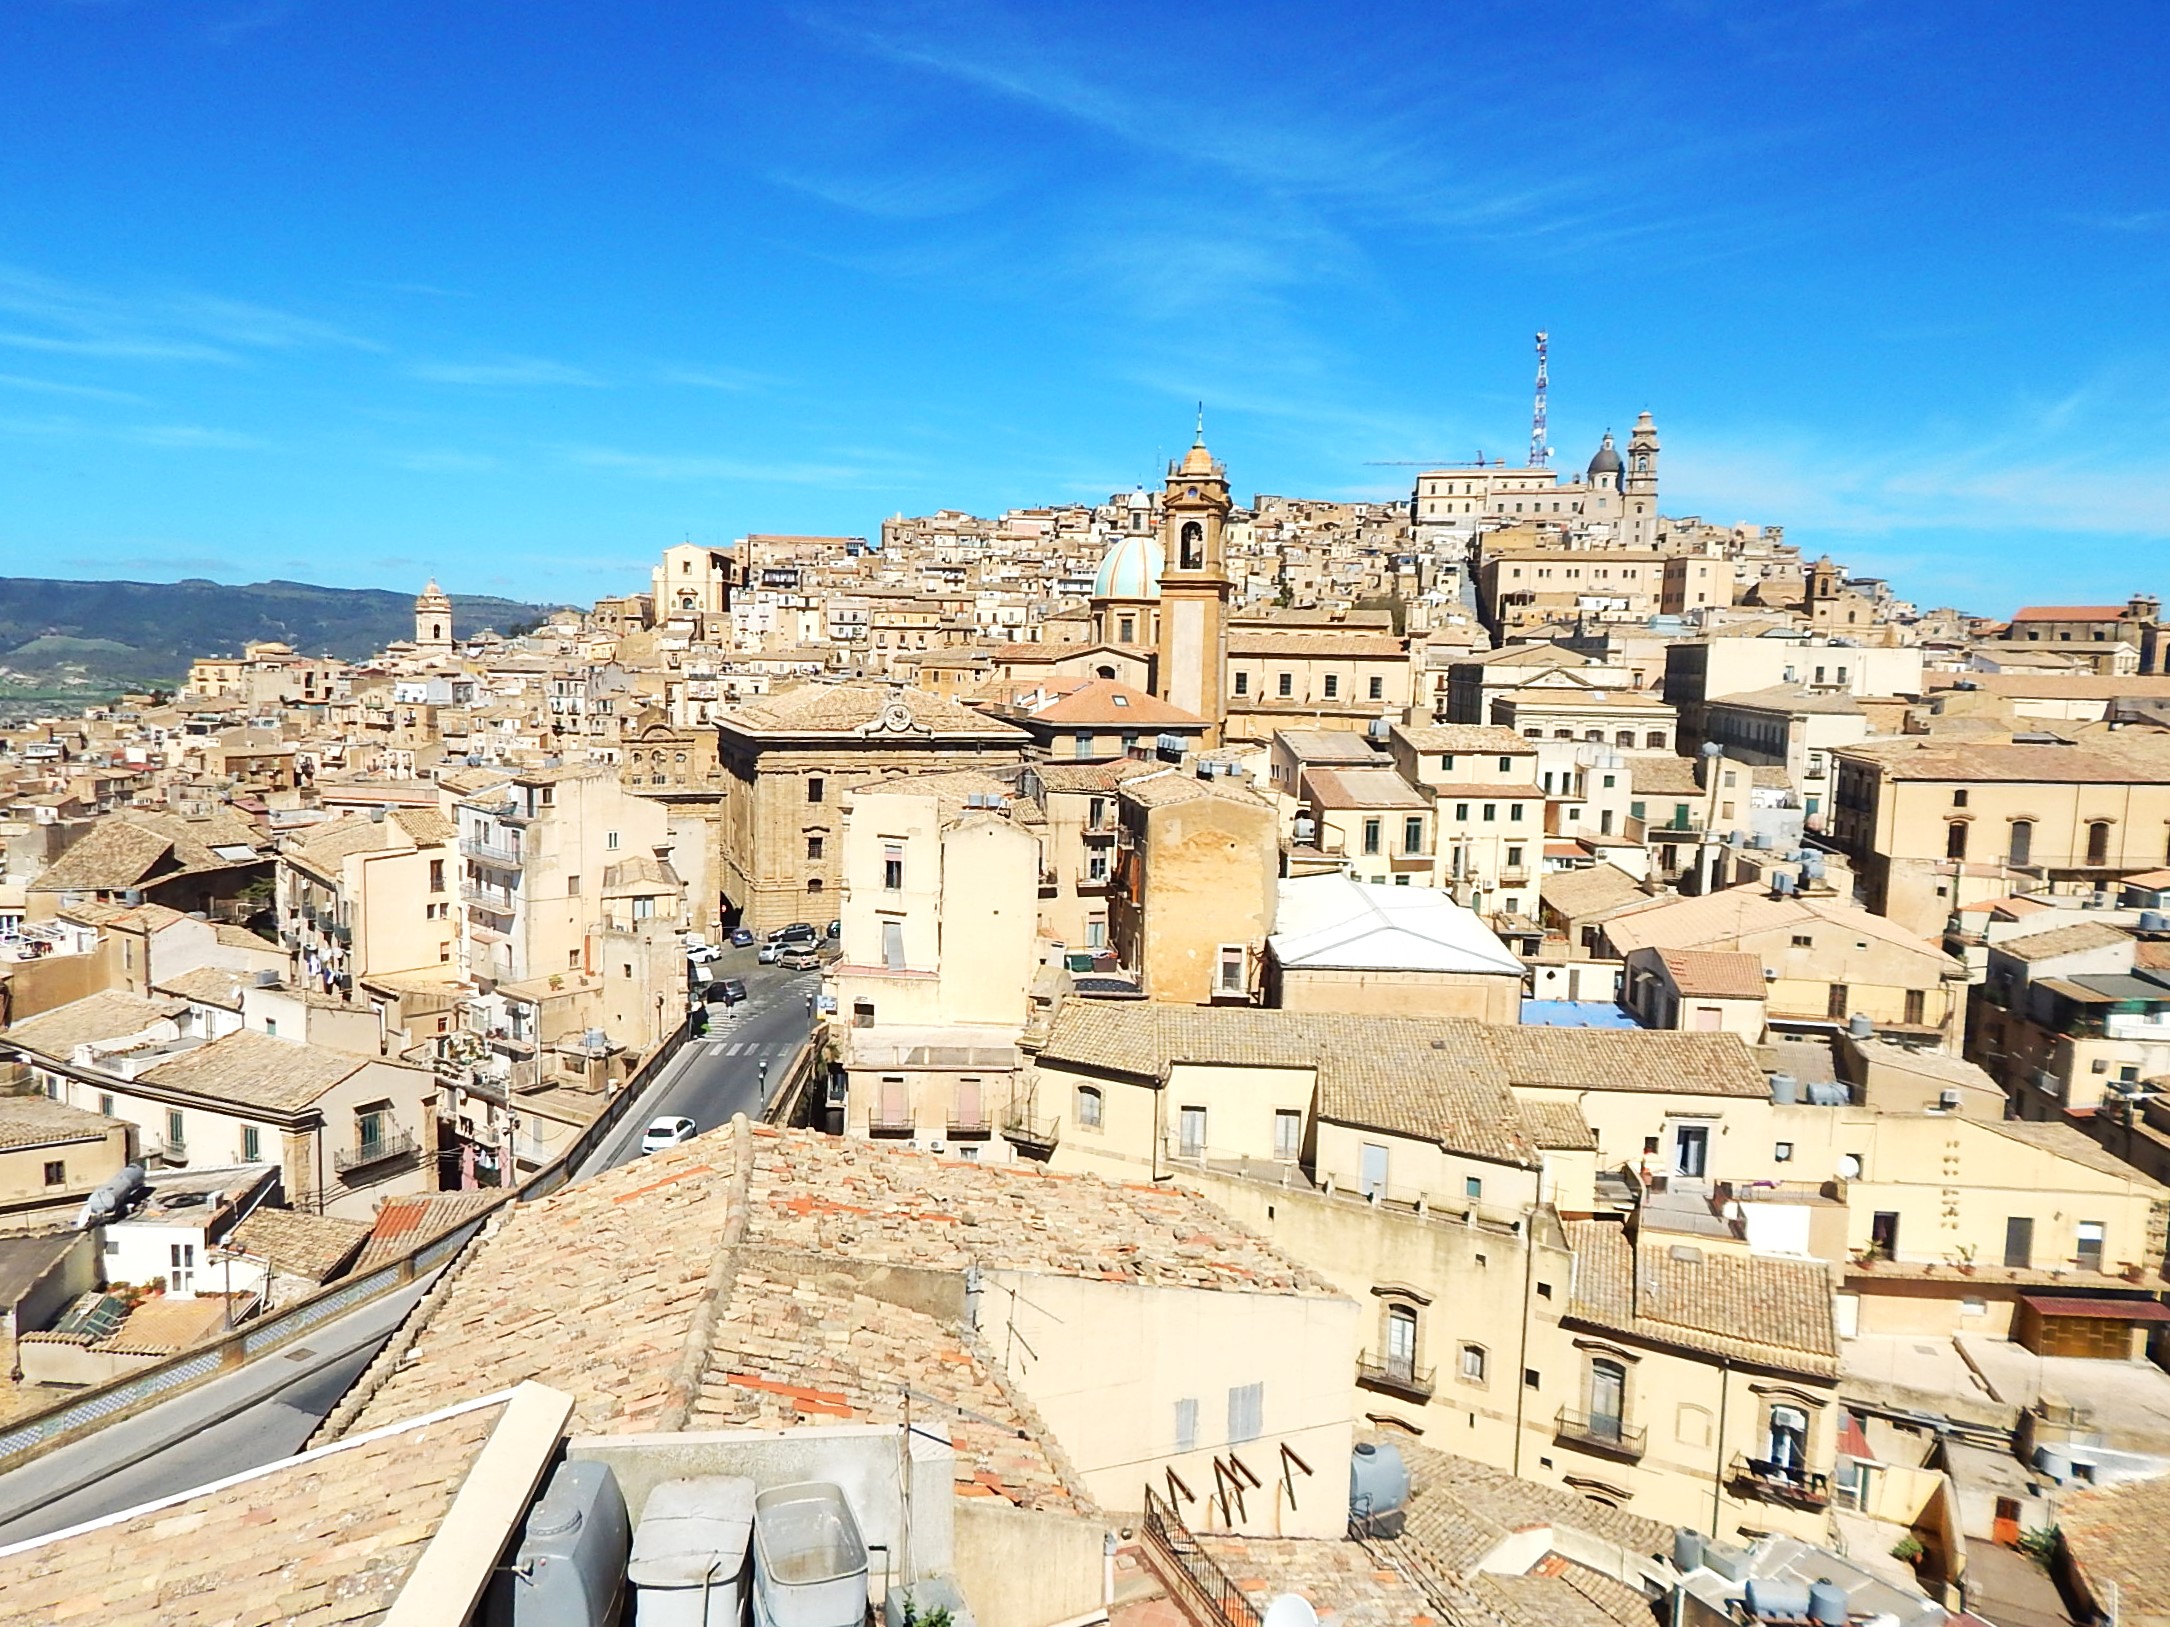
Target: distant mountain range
<point>85,641</point>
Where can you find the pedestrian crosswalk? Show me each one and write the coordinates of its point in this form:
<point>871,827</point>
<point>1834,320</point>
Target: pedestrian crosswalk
<point>717,1047</point>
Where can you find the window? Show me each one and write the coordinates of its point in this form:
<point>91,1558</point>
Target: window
<point>1473,1360</point>
<point>1371,1169</point>
<point>2019,1242</point>
<point>1461,810</point>
<point>1955,839</point>
<point>610,840</point>
<point>1231,979</point>
<point>1288,1134</point>
<point>1401,1343</point>
<point>1285,685</point>
<point>1608,1398</point>
<point>174,1135</point>
<point>1834,1004</point>
<point>2020,850</point>
<point>252,1144</point>
<point>1959,799</point>
<point>893,945</point>
<point>1472,1187</point>
<point>893,869</point>
<point>1191,1132</point>
<point>814,845</point>
<point>1514,813</point>
<point>105,1103</point>
<point>1491,812</point>
<point>1412,834</point>
<point>1446,763</point>
<point>572,886</point>
<point>814,788</point>
<point>1088,1107</point>
<point>1371,836</point>
<point>436,875</point>
<point>1081,744</point>
<point>1917,1006</point>
<point>56,1172</point>
<point>1691,1149</point>
<point>1377,690</point>
<point>862,1014</point>
<point>1186,1425</point>
<point>1333,686</point>
<point>1782,1153</point>
<point>1802,940</point>
<point>2098,843</point>
<point>813,884</point>
<point>1243,687</point>
<point>1246,1413</point>
<point>1128,633</point>
<point>2088,1250</point>
<point>1787,1455</point>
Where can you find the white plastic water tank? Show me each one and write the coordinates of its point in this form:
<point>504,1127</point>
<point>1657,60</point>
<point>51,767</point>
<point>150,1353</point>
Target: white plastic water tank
<point>810,1563</point>
<point>690,1553</point>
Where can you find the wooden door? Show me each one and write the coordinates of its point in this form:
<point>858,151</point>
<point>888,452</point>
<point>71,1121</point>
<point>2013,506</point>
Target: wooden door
<point>2004,1529</point>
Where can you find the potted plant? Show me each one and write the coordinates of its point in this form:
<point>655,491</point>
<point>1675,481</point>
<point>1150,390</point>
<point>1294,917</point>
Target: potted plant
<point>1966,1259</point>
<point>1908,1548</point>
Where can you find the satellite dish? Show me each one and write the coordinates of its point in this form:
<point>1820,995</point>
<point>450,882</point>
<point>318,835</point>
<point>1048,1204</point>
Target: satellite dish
<point>1291,1610</point>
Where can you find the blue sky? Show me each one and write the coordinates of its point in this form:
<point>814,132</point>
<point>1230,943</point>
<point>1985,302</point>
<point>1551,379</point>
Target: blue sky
<point>521,293</point>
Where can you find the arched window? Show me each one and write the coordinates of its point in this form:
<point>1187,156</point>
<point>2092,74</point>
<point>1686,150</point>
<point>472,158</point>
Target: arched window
<point>1608,1398</point>
<point>1088,1107</point>
<point>1401,1343</point>
<point>2098,843</point>
<point>1193,547</point>
<point>1955,839</point>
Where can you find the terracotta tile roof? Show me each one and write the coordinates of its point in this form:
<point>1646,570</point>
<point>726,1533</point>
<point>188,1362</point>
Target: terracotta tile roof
<point>1058,777</point>
<point>2069,1142</point>
<point>137,845</point>
<point>2063,940</point>
<point>1172,785</point>
<point>1459,1510</point>
<point>821,708</point>
<point>815,1351</point>
<point>325,1540</point>
<point>1721,920</point>
<point>1477,738</point>
<point>248,1069</point>
<point>110,1014</point>
<point>1716,974</point>
<point>164,1324</point>
<point>1362,788</point>
<point>318,1247</point>
<point>1578,893</point>
<point>1341,1581</point>
<point>1101,701</point>
<point>2124,759</point>
<point>2116,1538</point>
<point>2070,612</point>
<point>1710,1300</point>
<point>219,986</point>
<point>1363,646</point>
<point>1558,1127</point>
<point>39,1121</point>
<point>406,1224</point>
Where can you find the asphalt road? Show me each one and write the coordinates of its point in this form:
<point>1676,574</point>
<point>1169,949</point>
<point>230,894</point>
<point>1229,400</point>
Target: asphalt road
<point>268,1409</point>
<point>730,1071</point>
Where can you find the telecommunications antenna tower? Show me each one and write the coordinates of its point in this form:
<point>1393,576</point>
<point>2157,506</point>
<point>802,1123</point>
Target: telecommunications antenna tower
<point>1540,453</point>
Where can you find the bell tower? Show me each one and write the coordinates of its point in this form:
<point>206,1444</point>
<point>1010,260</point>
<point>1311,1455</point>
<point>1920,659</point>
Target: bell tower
<point>1641,522</point>
<point>433,621</point>
<point>1194,585</point>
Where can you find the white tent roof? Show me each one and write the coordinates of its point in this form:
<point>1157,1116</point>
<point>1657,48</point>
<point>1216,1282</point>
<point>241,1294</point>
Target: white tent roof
<point>1336,923</point>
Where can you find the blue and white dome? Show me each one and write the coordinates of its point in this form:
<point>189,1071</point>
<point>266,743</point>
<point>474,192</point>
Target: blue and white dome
<point>1130,569</point>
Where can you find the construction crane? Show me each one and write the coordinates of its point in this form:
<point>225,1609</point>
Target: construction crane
<point>1540,451</point>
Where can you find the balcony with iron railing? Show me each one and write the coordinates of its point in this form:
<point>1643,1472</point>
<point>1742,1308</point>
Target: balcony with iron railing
<point>1030,1135</point>
<point>972,1128</point>
<point>505,858</point>
<point>1397,1375</point>
<point>1614,1437</point>
<point>1776,1482</point>
<point>377,1150</point>
<point>498,899</point>
<point>891,1125</point>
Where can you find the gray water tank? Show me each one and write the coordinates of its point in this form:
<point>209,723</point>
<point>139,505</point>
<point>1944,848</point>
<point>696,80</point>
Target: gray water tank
<point>1827,1603</point>
<point>110,1199</point>
<point>1774,1598</point>
<point>1785,1089</point>
<point>1687,1549</point>
<point>1826,1093</point>
<point>691,1552</point>
<point>2154,921</point>
<point>810,1563</point>
<point>1858,1026</point>
<point>569,1569</point>
<point>1378,1481</point>
<point>1782,884</point>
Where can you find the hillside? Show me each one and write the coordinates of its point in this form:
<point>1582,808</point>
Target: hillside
<point>75,642</point>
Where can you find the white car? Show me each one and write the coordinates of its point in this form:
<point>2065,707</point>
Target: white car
<point>767,954</point>
<point>699,953</point>
<point>667,1132</point>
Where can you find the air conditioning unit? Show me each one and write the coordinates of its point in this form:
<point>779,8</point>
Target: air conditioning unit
<point>1947,1101</point>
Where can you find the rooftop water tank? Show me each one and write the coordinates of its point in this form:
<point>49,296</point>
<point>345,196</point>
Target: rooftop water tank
<point>1858,1026</point>
<point>1378,1484</point>
<point>810,1563</point>
<point>1772,1598</point>
<point>1687,1549</point>
<point>1785,1089</point>
<point>1827,1604</point>
<point>110,1199</point>
<point>2154,921</point>
<point>569,1568</point>
<point>691,1551</point>
<point>1826,1093</point>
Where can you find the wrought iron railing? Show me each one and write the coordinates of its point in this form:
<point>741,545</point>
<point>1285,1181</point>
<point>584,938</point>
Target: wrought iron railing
<point>1600,1432</point>
<point>1186,1566</point>
<point>376,1150</point>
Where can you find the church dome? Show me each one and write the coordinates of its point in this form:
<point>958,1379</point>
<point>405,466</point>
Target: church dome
<point>432,598</point>
<point>1130,569</point>
<point>1607,461</point>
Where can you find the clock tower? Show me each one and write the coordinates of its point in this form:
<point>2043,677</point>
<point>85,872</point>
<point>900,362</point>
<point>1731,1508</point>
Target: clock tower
<point>1194,586</point>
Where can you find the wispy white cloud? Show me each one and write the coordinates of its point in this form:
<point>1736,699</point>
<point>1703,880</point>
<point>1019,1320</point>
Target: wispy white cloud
<point>83,392</point>
<point>695,466</point>
<point>508,372</point>
<point>735,380</point>
<point>59,318</point>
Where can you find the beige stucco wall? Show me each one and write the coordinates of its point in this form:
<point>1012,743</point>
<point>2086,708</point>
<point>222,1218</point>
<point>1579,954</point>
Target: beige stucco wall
<point>1111,1400</point>
<point>1480,996</point>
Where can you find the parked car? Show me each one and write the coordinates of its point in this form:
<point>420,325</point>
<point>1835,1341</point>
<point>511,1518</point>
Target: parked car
<point>726,991</point>
<point>799,932</point>
<point>767,953</point>
<point>667,1132</point>
<point>836,931</point>
<point>700,953</point>
<point>799,958</point>
<point>742,937</point>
